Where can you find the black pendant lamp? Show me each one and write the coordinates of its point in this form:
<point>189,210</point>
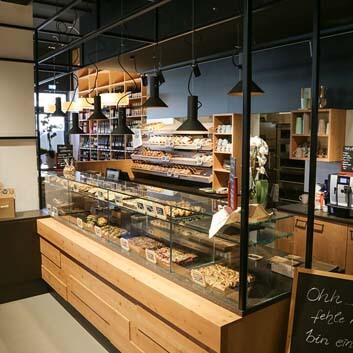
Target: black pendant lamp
<point>154,101</point>
<point>58,111</point>
<point>192,123</point>
<point>75,129</point>
<point>122,128</point>
<point>237,90</point>
<point>97,112</point>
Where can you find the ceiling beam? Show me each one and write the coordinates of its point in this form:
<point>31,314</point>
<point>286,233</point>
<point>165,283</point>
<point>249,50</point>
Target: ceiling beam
<point>93,34</point>
<point>58,14</point>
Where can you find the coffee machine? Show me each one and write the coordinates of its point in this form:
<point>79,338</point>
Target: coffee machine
<point>341,195</point>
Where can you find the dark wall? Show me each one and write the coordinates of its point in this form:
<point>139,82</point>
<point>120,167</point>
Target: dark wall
<point>279,72</point>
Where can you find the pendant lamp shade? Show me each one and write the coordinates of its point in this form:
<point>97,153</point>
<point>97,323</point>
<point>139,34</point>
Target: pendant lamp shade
<point>122,128</point>
<point>237,90</point>
<point>58,111</point>
<point>75,129</point>
<point>192,123</point>
<point>111,99</point>
<point>97,112</point>
<point>154,101</point>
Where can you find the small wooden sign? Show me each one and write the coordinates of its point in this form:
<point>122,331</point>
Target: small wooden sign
<point>151,256</point>
<point>124,243</point>
<point>321,313</point>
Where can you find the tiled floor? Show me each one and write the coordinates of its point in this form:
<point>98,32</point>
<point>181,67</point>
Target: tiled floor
<point>41,325</point>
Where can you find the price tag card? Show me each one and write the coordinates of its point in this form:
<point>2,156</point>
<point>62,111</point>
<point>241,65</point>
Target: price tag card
<point>118,199</point>
<point>151,256</point>
<point>198,278</point>
<point>54,212</point>
<point>79,222</point>
<point>169,174</point>
<point>98,231</point>
<point>100,195</point>
<point>176,175</point>
<point>161,212</point>
<point>141,207</point>
<point>150,209</point>
<point>124,243</point>
<point>219,219</point>
<point>49,208</point>
<point>198,146</point>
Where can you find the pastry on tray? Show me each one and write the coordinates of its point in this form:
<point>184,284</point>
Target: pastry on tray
<point>178,256</point>
<point>145,243</point>
<point>220,276</point>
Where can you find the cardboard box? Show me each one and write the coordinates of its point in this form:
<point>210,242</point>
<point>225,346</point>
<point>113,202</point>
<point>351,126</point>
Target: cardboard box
<point>7,207</point>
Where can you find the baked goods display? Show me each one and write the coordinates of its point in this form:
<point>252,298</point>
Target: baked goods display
<point>178,256</point>
<point>112,232</point>
<point>220,276</point>
<point>145,243</point>
<point>176,141</point>
<point>171,170</point>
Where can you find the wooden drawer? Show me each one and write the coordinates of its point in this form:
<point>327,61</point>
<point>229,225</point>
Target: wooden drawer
<point>144,343</point>
<point>54,282</point>
<point>51,252</point>
<point>349,256</point>
<point>330,241</point>
<point>162,334</point>
<point>50,266</point>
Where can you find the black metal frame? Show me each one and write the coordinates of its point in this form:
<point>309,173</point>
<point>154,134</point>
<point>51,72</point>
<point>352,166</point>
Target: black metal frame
<point>41,63</point>
<point>315,71</point>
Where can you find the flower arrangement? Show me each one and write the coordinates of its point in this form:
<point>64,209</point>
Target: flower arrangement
<point>258,175</point>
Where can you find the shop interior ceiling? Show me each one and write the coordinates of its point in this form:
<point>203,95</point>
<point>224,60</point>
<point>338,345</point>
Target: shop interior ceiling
<point>162,37</point>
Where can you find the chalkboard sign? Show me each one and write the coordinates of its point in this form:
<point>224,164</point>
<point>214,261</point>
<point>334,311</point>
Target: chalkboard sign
<point>63,152</point>
<point>321,315</point>
<point>347,159</point>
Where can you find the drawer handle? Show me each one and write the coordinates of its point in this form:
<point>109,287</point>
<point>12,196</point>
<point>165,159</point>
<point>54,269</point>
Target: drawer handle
<point>320,229</point>
<point>302,226</point>
<point>351,234</point>
<point>5,206</point>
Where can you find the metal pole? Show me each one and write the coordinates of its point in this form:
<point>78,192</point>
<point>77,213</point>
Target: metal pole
<point>314,127</point>
<point>244,226</point>
<point>36,52</point>
<point>58,14</point>
<point>93,34</point>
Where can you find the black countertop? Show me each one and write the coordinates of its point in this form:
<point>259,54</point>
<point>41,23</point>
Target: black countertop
<point>26,215</point>
<point>301,209</point>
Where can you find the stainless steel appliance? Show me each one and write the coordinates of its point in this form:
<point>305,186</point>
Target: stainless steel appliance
<point>341,195</point>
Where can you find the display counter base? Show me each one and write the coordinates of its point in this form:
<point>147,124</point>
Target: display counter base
<point>141,311</point>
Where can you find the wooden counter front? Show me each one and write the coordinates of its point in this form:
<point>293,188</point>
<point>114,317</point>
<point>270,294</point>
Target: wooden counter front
<point>141,311</point>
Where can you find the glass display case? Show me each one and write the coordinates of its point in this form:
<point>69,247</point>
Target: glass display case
<point>168,232</point>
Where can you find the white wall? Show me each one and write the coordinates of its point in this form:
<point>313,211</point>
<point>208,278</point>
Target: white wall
<point>17,157</point>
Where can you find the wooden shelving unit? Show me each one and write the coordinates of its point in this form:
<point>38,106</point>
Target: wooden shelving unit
<point>220,156</point>
<point>98,143</point>
<point>330,141</point>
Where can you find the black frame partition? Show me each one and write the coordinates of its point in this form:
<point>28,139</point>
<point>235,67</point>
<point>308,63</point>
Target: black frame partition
<point>43,64</point>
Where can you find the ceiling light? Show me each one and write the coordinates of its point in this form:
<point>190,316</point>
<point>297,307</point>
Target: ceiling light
<point>75,129</point>
<point>122,128</point>
<point>237,90</point>
<point>97,112</point>
<point>58,111</point>
<point>154,101</point>
<point>192,123</point>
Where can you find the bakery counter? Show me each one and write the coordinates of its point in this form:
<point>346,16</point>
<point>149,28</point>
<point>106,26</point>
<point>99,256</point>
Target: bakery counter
<point>301,209</point>
<point>139,310</point>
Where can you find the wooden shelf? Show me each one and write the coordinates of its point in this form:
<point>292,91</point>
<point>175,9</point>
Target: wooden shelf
<point>223,134</point>
<point>216,152</point>
<point>331,143</point>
